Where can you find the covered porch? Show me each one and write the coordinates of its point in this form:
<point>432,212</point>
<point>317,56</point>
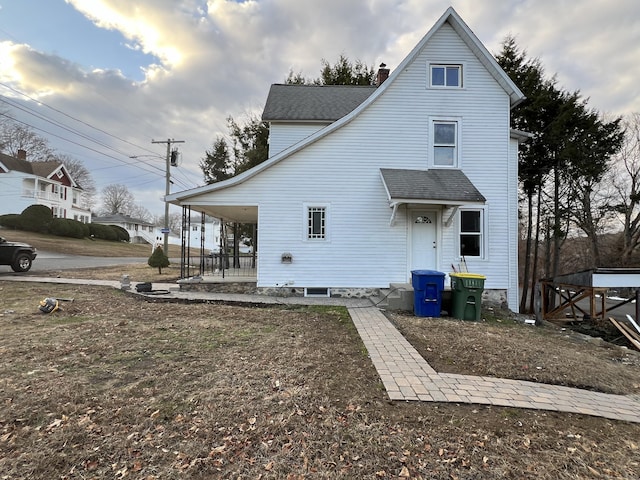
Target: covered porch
<point>227,263</point>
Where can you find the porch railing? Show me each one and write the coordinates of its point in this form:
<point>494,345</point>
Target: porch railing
<point>225,265</point>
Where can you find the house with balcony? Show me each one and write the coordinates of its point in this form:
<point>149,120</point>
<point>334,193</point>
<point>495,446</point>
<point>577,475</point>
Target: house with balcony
<point>48,183</point>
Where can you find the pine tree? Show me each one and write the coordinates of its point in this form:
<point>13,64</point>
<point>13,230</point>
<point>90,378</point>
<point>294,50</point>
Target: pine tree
<point>158,259</point>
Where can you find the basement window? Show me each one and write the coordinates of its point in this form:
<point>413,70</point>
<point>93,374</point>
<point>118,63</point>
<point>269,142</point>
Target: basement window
<point>317,292</point>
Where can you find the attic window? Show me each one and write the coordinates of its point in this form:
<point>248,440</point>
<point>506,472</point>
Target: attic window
<point>59,174</point>
<point>445,76</point>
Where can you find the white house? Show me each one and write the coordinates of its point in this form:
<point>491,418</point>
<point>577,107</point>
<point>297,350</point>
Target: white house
<point>141,231</point>
<point>364,185</point>
<point>25,183</point>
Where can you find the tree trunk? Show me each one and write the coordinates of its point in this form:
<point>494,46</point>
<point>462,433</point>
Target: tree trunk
<point>556,222</point>
<point>527,255</point>
<point>536,250</point>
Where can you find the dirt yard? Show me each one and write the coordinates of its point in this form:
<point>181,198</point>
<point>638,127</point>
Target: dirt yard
<point>113,386</point>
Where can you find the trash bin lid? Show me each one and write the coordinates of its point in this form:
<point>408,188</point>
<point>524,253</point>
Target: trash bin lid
<point>467,275</point>
<point>427,272</point>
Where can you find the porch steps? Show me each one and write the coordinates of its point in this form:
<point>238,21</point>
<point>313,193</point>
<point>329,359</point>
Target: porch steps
<point>399,296</point>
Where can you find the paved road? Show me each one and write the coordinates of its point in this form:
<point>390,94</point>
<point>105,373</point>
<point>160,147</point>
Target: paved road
<point>46,261</point>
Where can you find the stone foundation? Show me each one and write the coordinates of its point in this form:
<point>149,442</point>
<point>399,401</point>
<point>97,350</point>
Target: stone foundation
<point>286,291</point>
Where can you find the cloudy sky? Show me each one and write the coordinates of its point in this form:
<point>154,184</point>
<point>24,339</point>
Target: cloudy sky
<point>116,74</point>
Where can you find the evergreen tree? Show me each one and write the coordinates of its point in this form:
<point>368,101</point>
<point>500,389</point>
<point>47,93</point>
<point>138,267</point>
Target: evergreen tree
<point>343,72</point>
<point>216,165</point>
<point>158,259</point>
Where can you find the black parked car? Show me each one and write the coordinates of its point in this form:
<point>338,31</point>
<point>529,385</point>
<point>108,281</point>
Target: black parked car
<point>18,255</point>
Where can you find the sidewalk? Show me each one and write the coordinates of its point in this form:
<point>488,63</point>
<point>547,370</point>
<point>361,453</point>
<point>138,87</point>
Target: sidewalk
<point>405,374</point>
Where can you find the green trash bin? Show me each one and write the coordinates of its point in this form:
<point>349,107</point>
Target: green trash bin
<point>467,291</point>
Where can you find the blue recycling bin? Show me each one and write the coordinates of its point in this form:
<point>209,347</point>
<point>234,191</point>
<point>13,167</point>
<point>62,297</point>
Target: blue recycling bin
<point>427,292</point>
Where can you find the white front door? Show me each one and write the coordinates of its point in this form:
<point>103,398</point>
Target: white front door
<point>423,240</point>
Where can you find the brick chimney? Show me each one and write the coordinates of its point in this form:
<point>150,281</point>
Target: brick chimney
<point>383,74</point>
<point>22,154</point>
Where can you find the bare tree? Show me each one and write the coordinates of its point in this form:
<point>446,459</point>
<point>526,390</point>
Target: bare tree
<point>117,198</point>
<point>627,187</point>
<point>14,137</point>
<point>141,213</point>
<point>175,221</point>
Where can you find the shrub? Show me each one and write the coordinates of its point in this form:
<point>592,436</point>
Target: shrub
<point>65,227</point>
<point>103,232</point>
<point>158,259</point>
<point>36,218</point>
<point>123,235</point>
<point>11,220</point>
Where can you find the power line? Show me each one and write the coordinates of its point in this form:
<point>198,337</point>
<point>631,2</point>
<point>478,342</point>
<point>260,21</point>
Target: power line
<point>74,118</point>
<point>80,145</point>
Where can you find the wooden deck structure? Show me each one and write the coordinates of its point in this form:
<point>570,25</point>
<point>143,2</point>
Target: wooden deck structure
<point>557,298</point>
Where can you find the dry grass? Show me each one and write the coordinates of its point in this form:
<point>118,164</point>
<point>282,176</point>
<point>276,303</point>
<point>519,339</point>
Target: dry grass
<point>506,349</point>
<point>85,246</point>
<point>113,386</point>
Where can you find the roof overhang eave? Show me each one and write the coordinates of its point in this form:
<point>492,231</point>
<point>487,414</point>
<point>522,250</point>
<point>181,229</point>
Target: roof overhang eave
<point>434,202</point>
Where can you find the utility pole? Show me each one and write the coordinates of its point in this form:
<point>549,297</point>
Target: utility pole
<point>165,230</point>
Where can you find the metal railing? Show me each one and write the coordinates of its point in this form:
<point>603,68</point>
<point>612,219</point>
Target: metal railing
<point>225,265</point>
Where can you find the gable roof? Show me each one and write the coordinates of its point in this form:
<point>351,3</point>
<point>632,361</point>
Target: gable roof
<point>441,186</point>
<point>44,169</point>
<point>451,17</point>
<point>324,103</point>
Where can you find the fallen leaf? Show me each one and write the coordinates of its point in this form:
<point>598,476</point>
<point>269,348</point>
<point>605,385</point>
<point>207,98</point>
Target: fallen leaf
<point>269,466</point>
<point>404,472</point>
<point>594,471</point>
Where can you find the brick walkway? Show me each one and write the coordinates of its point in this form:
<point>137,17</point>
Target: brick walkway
<point>407,376</point>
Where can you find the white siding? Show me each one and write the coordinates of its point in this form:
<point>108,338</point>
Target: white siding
<point>342,171</point>
<point>283,135</point>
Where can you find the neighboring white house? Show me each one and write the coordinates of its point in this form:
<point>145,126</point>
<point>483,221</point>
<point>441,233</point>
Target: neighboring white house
<point>25,183</point>
<point>418,173</point>
<point>141,231</point>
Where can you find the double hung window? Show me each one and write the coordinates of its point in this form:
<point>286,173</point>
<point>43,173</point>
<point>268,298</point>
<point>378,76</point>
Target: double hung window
<point>471,233</point>
<point>445,143</point>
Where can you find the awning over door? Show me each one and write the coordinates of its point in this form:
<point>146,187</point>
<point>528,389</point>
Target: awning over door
<point>448,187</point>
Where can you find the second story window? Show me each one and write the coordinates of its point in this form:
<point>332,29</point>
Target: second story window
<point>445,143</point>
<point>447,76</point>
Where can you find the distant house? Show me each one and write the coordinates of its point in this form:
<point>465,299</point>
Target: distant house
<point>48,183</point>
<point>139,230</point>
<point>365,184</point>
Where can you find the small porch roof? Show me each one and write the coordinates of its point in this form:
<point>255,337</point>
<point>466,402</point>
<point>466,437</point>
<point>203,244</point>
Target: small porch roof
<point>447,187</point>
<point>432,187</point>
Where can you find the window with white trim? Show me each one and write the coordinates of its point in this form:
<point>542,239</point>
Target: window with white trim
<point>445,143</point>
<point>445,76</point>
<point>316,222</point>
<point>471,233</point>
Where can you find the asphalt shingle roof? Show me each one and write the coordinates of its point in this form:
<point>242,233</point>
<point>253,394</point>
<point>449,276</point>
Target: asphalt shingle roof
<point>39,168</point>
<point>313,102</point>
<point>446,185</point>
